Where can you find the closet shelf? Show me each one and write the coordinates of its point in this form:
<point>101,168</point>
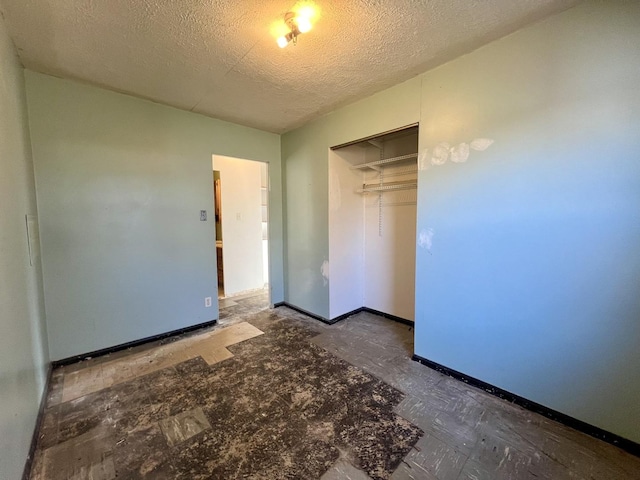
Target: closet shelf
<point>388,187</point>
<point>385,161</point>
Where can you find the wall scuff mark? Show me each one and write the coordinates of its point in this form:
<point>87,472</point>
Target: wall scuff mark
<point>423,160</point>
<point>481,144</point>
<point>425,239</point>
<point>324,270</point>
<point>459,153</point>
<point>440,154</point>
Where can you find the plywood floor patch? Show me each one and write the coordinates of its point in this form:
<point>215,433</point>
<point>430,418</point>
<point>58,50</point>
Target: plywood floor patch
<point>211,346</point>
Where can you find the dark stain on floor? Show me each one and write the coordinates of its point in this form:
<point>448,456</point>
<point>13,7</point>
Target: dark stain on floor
<point>281,408</point>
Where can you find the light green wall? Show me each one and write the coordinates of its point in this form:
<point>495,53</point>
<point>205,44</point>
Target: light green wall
<point>121,182</point>
<point>23,341</point>
<point>531,281</point>
<point>305,153</point>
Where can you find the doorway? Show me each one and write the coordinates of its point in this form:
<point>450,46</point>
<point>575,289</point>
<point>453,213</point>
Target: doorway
<point>240,200</point>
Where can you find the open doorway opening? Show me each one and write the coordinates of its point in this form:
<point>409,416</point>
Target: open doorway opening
<point>241,219</point>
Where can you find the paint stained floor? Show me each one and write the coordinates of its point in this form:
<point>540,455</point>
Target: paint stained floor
<point>272,394</point>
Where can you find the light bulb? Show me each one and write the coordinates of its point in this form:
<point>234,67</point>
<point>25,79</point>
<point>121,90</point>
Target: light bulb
<point>304,24</point>
<point>282,42</point>
<point>307,12</point>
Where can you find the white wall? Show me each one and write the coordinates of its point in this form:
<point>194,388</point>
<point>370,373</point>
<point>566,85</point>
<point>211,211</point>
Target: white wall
<point>241,209</point>
<point>23,339</point>
<point>390,251</point>
<point>346,275</point>
<point>265,262</point>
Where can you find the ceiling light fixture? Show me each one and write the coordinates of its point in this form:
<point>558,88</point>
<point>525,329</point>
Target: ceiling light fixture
<point>297,23</point>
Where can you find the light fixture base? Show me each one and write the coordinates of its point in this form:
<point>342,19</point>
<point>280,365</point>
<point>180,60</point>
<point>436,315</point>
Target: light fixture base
<point>292,21</point>
<point>289,18</point>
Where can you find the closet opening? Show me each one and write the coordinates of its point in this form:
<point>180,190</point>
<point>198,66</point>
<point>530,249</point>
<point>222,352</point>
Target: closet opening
<point>372,224</point>
<point>240,195</point>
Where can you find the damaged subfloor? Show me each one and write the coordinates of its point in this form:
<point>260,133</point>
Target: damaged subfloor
<point>273,394</point>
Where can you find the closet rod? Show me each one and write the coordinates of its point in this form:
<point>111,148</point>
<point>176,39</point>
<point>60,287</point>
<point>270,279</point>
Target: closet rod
<point>388,187</point>
<point>399,204</point>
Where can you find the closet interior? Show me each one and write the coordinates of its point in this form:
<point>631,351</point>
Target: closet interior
<point>372,224</point>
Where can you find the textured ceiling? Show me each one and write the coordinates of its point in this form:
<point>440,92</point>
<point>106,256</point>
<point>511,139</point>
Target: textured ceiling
<point>219,58</point>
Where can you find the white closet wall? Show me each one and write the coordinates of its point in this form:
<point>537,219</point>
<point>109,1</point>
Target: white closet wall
<point>372,235</point>
<point>346,232</point>
<point>390,235</point>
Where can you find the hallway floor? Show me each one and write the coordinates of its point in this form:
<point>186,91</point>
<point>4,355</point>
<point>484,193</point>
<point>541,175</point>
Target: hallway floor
<point>273,394</point>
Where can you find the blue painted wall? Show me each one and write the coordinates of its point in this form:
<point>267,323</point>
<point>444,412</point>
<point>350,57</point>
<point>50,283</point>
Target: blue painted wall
<point>24,357</point>
<point>121,182</point>
<point>532,281</point>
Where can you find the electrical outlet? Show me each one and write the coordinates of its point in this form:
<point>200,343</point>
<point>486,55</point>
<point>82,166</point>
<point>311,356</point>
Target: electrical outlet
<point>203,215</point>
<point>207,301</point>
